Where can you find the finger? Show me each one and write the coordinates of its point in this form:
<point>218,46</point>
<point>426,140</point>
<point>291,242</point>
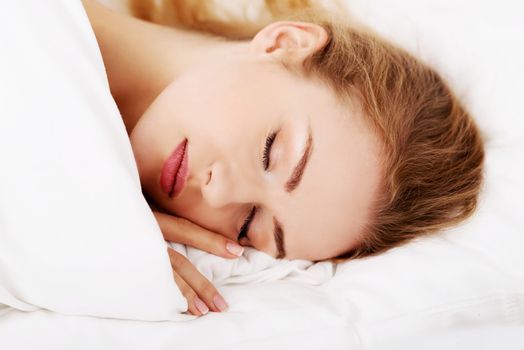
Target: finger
<point>180,230</point>
<point>198,283</point>
<point>195,305</point>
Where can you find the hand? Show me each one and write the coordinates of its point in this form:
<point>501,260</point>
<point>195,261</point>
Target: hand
<point>200,294</point>
<point>180,230</point>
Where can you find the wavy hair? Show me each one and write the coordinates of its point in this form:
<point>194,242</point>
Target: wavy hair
<point>433,152</point>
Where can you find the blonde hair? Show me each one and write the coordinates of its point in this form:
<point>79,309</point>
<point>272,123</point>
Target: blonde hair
<point>433,150</point>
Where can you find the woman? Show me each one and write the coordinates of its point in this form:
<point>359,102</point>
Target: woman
<point>304,139</point>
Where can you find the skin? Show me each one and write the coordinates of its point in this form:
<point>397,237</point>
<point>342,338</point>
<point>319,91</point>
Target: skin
<point>321,217</point>
<point>226,98</point>
<point>204,91</point>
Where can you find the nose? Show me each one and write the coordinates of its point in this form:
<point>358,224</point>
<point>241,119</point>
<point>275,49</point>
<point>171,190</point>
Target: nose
<point>225,185</point>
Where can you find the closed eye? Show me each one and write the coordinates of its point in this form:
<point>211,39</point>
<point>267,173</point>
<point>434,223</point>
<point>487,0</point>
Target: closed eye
<point>247,222</point>
<point>267,150</point>
<point>266,160</point>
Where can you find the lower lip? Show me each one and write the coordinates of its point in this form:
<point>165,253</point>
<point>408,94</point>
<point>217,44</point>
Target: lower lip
<point>174,172</point>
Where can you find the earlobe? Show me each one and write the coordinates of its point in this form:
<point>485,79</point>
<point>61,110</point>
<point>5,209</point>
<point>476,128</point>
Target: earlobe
<point>289,40</point>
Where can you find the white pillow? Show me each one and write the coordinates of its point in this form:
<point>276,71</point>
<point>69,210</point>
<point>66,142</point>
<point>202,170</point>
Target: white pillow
<point>76,234</point>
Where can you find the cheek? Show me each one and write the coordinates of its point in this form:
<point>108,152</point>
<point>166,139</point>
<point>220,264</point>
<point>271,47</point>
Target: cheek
<point>220,107</point>
<point>206,217</point>
<point>201,114</point>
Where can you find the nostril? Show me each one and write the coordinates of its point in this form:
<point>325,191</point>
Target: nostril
<point>209,175</point>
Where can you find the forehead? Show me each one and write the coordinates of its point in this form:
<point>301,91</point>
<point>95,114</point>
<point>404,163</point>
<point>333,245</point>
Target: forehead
<point>325,215</point>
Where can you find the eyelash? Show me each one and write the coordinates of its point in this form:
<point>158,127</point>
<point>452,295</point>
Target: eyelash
<point>267,149</point>
<point>245,226</point>
<point>265,162</point>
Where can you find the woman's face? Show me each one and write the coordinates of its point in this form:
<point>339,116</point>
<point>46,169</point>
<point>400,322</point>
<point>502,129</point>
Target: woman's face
<point>260,136</point>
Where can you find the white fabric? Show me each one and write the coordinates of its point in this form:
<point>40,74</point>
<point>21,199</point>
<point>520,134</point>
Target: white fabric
<point>237,331</point>
<point>76,234</point>
<point>462,289</point>
<point>256,267</point>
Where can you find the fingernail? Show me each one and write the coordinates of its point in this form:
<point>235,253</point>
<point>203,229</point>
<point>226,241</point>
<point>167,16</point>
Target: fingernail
<point>234,249</point>
<point>220,303</point>
<point>201,306</point>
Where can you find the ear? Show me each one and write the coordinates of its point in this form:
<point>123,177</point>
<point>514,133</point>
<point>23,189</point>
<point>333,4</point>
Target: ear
<point>289,41</point>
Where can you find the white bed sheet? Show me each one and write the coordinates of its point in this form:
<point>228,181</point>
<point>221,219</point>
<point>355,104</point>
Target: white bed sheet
<point>46,330</point>
<point>461,289</point>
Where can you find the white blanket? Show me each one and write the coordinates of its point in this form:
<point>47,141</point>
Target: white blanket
<point>458,290</point>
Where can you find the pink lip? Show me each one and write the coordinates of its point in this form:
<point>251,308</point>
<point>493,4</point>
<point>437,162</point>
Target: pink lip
<point>174,172</point>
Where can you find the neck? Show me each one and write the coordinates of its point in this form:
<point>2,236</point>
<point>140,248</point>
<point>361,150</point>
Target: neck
<point>142,58</point>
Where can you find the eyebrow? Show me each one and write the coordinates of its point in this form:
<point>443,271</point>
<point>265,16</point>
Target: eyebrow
<point>296,175</point>
<point>291,184</point>
<point>279,239</point>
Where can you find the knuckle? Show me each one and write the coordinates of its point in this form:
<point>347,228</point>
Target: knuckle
<point>219,243</point>
<point>184,288</point>
<point>190,295</point>
<point>207,290</point>
<point>178,261</point>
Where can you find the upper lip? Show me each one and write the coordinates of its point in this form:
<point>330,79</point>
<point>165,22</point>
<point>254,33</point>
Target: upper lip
<point>171,168</point>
